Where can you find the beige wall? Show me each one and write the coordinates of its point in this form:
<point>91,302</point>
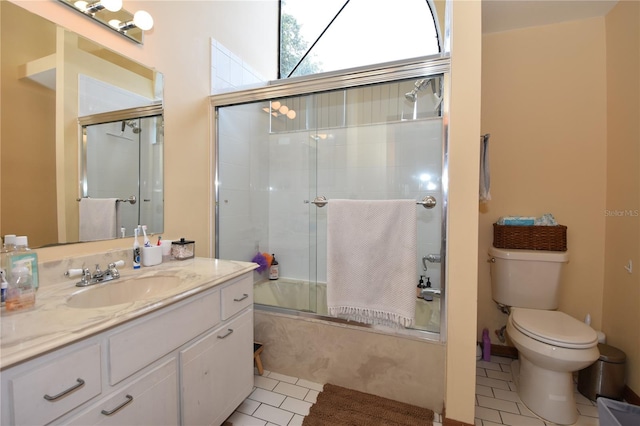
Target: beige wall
<point>178,46</point>
<point>621,298</point>
<point>462,233</point>
<point>544,104</point>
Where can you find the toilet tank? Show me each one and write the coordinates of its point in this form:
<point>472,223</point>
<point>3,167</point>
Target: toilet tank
<point>526,278</point>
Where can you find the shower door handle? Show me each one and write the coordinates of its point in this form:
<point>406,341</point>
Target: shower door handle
<point>320,201</point>
<point>428,202</point>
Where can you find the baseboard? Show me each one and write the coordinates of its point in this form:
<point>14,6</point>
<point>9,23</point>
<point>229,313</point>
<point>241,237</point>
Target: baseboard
<point>451,422</point>
<point>630,396</point>
<point>502,350</point>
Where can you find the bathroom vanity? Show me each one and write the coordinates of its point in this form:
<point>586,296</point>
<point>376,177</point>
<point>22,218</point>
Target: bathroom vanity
<point>183,355</point>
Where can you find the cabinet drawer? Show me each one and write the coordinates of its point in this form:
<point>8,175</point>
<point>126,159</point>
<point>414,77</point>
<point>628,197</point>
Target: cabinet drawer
<point>236,296</point>
<point>150,400</point>
<point>46,393</point>
<point>142,344</point>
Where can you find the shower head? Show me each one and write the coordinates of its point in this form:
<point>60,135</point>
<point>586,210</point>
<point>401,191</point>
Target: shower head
<point>411,96</point>
<point>133,125</point>
<point>417,86</point>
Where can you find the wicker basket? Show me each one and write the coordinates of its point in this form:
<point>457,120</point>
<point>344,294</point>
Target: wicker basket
<point>552,238</point>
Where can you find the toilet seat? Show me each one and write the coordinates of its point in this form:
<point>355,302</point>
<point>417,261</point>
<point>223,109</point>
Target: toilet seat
<point>554,328</point>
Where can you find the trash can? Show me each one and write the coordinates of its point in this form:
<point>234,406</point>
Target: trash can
<point>605,377</point>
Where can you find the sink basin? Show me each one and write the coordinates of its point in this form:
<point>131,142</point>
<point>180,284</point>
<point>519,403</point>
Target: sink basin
<point>123,291</point>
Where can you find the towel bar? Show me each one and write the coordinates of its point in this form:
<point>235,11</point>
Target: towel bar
<point>131,200</point>
<point>427,202</point>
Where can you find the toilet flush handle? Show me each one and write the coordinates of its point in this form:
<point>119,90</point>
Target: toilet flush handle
<point>492,260</point>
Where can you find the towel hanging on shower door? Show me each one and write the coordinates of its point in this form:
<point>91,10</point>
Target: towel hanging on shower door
<point>98,218</point>
<point>372,261</point>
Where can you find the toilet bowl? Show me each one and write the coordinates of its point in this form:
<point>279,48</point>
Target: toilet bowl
<point>551,346</point>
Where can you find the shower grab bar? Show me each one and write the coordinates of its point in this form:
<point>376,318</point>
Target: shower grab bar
<point>427,202</point>
<point>131,200</point>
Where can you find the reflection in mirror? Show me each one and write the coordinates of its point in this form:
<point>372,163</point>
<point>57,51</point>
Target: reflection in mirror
<point>49,78</point>
<point>122,160</point>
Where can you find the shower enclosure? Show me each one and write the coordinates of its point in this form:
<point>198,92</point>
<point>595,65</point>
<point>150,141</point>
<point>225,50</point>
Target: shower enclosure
<point>283,149</point>
<point>122,157</point>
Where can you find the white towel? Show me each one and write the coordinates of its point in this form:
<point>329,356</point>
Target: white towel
<point>372,261</point>
<point>485,176</point>
<point>98,218</point>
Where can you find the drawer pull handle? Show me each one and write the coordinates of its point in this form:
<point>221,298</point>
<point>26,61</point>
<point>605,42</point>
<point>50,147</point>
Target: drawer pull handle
<point>244,296</point>
<point>229,331</point>
<point>119,407</point>
<point>78,385</point>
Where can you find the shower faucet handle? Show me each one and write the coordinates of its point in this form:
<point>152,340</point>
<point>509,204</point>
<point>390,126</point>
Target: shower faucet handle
<point>434,258</point>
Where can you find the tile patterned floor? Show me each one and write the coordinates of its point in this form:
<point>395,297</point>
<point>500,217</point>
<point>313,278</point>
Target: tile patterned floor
<point>283,400</point>
<point>497,403</point>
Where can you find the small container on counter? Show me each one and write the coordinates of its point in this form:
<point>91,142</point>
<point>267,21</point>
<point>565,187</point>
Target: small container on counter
<point>183,249</point>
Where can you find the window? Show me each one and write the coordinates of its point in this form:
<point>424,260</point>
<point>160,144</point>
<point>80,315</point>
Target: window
<point>329,35</point>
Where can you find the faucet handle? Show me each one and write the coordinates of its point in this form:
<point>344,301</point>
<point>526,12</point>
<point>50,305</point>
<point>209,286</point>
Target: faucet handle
<point>72,273</point>
<point>113,268</point>
<point>98,271</point>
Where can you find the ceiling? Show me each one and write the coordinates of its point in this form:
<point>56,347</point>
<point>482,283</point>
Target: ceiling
<point>506,15</point>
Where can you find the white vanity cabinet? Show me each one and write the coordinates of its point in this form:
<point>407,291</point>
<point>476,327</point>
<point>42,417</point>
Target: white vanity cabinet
<point>188,363</point>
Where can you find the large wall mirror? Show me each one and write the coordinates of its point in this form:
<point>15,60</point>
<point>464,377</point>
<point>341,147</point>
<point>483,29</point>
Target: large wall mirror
<point>78,120</point>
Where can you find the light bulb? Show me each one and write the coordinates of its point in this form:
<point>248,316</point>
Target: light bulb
<point>115,23</point>
<point>275,105</point>
<point>81,4</point>
<point>283,109</point>
<point>291,114</point>
<point>112,5</point>
<point>143,20</point>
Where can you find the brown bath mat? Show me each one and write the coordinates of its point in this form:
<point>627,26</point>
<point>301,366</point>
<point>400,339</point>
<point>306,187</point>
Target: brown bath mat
<point>338,406</point>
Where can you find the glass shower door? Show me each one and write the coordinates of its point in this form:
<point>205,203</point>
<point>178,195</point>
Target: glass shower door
<point>377,143</point>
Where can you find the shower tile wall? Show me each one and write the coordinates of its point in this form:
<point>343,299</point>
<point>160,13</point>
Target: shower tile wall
<point>229,71</point>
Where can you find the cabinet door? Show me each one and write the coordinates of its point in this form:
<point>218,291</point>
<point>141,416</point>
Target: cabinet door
<point>217,372</point>
<point>150,400</point>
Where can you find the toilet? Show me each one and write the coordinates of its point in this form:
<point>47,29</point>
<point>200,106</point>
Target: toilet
<point>551,344</point>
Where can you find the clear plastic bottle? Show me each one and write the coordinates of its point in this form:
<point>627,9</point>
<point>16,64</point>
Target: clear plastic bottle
<point>8,246</point>
<point>20,294</point>
<point>26,257</point>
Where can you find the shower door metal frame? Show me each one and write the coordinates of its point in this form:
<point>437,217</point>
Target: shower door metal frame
<point>345,79</point>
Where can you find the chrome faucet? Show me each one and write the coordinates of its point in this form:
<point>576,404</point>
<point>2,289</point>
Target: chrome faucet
<point>98,276</point>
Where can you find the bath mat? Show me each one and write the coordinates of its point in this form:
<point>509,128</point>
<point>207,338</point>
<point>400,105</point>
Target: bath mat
<point>338,406</point>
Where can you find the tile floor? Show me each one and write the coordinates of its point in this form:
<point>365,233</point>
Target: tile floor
<point>497,403</point>
<point>283,400</point>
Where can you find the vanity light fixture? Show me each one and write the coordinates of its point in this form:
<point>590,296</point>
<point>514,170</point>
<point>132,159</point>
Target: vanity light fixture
<point>277,108</point>
<point>111,14</point>
<point>110,5</point>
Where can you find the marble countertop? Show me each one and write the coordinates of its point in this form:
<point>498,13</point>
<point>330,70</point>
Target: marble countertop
<point>52,324</point>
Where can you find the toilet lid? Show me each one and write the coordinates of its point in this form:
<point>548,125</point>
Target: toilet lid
<point>554,327</point>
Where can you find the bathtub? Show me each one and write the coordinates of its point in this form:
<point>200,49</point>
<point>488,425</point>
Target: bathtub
<point>402,364</point>
<point>299,296</point>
